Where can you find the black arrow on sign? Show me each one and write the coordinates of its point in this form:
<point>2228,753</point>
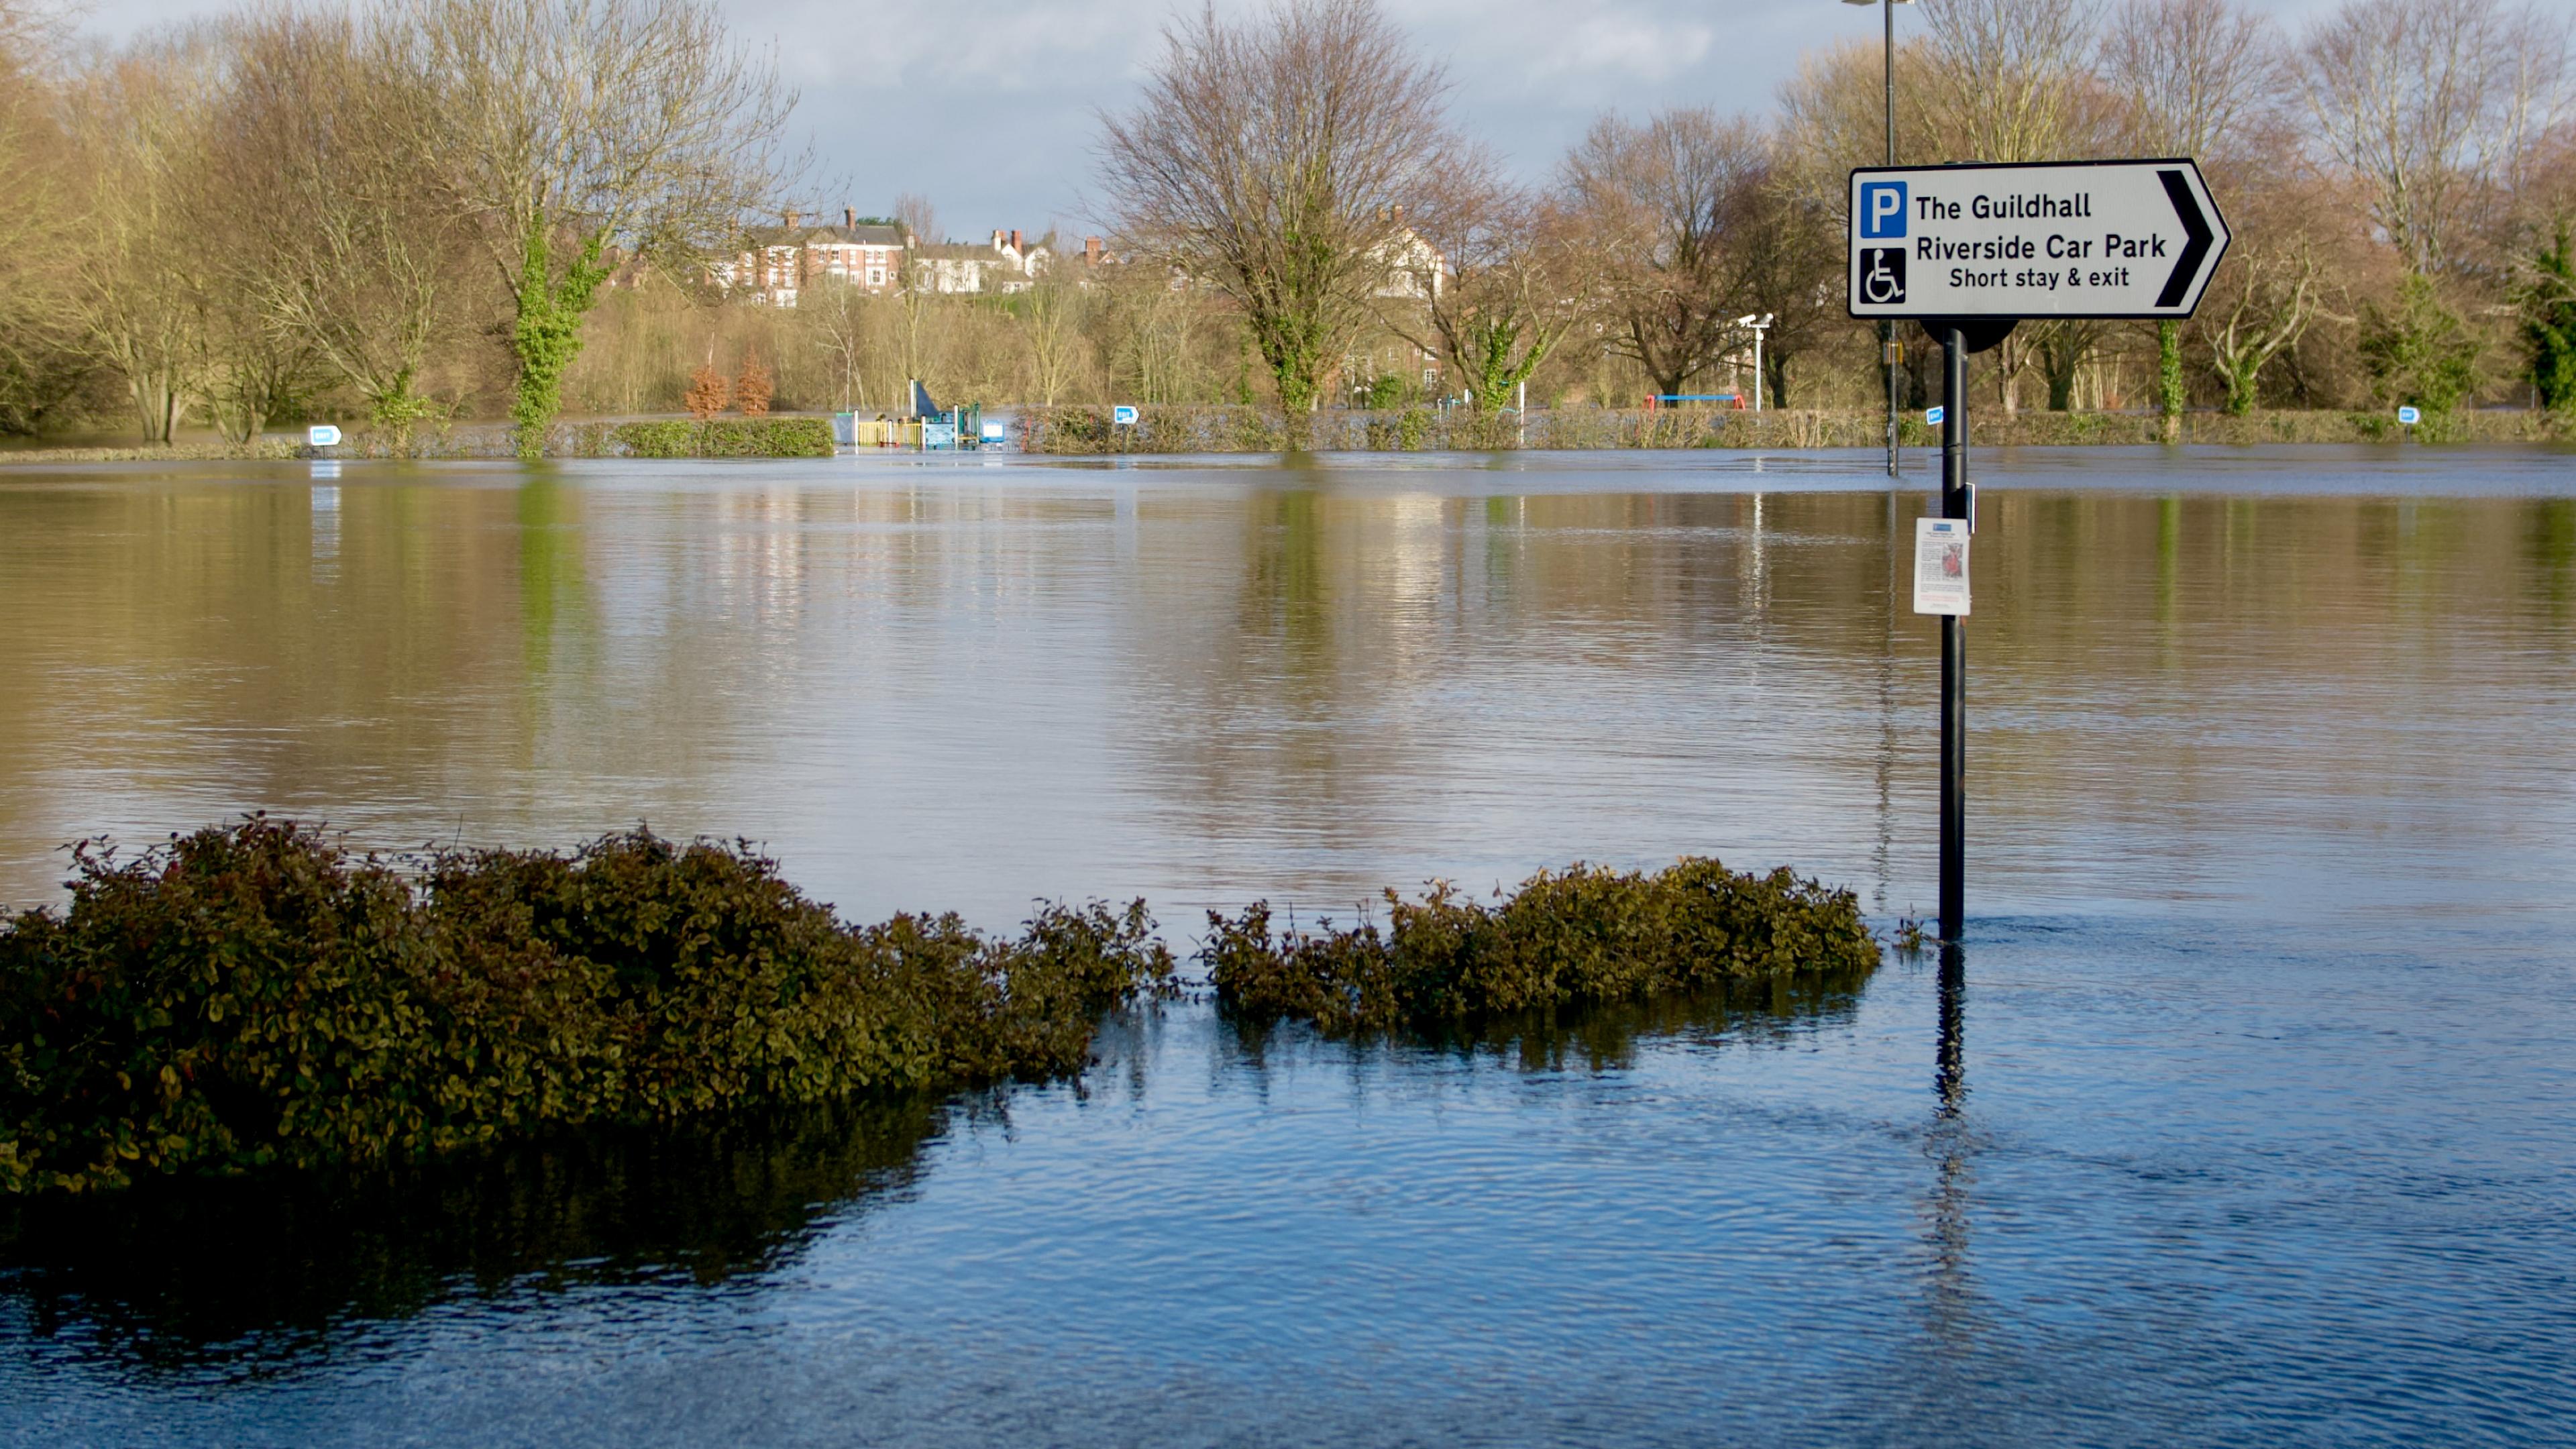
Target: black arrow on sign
<point>2196,227</point>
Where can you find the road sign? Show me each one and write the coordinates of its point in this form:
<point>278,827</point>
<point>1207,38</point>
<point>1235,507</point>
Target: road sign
<point>1932,417</point>
<point>321,435</point>
<point>2059,239</point>
<point>1123,416</point>
<point>1941,566</point>
<point>2409,416</point>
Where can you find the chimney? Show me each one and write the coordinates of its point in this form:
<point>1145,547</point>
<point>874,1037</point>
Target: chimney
<point>791,221</point>
<point>849,216</point>
<point>1091,250</point>
<point>1399,215</point>
<point>1015,238</point>
<point>997,238</point>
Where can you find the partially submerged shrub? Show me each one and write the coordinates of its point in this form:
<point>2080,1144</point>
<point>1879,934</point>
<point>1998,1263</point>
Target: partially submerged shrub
<point>758,437</point>
<point>1580,936</point>
<point>258,995</point>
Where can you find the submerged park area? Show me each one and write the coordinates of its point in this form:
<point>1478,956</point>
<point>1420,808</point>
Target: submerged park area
<point>2259,1017</point>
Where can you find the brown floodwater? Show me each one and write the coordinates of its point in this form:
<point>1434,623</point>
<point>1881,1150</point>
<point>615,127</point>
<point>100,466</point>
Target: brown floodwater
<point>2260,1132</point>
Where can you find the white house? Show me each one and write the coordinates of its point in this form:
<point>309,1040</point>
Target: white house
<point>777,263</point>
<point>1010,263</point>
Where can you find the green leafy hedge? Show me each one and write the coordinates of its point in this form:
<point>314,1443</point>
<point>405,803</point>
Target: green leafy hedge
<point>728,438</point>
<point>257,995</point>
<point>1581,936</point>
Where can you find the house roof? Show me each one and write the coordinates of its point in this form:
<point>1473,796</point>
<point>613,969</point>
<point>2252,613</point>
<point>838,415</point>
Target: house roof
<point>959,252</point>
<point>860,235</point>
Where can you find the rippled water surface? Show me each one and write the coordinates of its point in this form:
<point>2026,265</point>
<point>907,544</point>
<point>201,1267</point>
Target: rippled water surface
<point>2259,1124</point>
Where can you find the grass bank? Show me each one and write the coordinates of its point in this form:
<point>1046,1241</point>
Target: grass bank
<point>257,995</point>
<point>1194,429</point>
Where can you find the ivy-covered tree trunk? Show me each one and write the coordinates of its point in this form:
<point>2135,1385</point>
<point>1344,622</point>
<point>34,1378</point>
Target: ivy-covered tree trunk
<point>2241,377</point>
<point>2170,395</point>
<point>546,336</point>
<point>1496,362</point>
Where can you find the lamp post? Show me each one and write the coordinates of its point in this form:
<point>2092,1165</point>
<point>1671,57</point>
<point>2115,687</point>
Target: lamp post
<point>1757,324</point>
<point>1889,353</point>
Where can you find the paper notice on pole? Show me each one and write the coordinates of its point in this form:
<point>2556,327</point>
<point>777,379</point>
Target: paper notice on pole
<point>1941,566</point>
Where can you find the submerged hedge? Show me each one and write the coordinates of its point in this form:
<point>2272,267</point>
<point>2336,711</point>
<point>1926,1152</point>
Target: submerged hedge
<point>1581,936</point>
<point>788,437</point>
<point>1195,428</point>
<point>256,995</point>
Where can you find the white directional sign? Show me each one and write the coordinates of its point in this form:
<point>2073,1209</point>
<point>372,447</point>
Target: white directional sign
<point>2066,239</point>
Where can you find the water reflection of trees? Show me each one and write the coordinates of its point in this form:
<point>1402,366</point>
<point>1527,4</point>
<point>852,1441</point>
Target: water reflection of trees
<point>1604,1038</point>
<point>257,1273</point>
<point>1379,658</point>
<point>1306,682</point>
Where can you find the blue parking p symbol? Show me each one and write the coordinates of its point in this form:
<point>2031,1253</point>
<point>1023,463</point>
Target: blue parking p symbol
<point>1882,208</point>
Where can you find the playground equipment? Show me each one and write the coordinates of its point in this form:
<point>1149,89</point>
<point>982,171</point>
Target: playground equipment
<point>924,428</point>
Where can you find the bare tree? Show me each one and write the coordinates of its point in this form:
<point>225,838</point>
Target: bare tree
<point>1832,115</point>
<point>40,362</point>
<point>1052,323</point>
<point>2191,78</point>
<point>572,132</point>
<point>2012,80</point>
<point>919,221</point>
<point>1152,320</point>
<point>2430,108</point>
<point>135,299</point>
<point>336,245</point>
<point>1267,159</point>
<point>2264,308</point>
<point>1498,277</point>
<point>839,315</point>
<point>1662,202</point>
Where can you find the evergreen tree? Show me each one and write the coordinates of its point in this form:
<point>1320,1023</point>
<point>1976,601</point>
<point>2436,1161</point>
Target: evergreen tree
<point>2549,325</point>
<point>2419,351</point>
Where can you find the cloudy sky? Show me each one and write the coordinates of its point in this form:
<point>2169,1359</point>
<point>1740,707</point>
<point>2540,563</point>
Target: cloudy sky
<point>987,107</point>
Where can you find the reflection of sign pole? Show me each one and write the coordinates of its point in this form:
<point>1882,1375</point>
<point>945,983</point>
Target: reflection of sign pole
<point>1968,251</point>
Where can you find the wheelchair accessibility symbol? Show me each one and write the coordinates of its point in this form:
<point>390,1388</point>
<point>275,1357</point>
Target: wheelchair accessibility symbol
<point>1882,275</point>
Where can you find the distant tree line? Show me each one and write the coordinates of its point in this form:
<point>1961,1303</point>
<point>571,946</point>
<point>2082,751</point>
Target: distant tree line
<point>427,210</point>
<point>2400,177</point>
<point>408,208</point>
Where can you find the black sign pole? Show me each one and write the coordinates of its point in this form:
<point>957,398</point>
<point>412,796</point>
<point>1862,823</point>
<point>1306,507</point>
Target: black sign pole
<point>1954,643</point>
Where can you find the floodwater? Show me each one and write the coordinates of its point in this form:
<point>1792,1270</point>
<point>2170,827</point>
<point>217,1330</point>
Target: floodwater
<point>2248,1114</point>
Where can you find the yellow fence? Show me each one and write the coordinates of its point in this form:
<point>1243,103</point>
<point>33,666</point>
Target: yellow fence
<point>884,433</point>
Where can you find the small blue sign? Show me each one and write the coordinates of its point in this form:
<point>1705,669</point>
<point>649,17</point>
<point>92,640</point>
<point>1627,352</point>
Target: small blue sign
<point>321,435</point>
<point>2409,416</point>
<point>1123,415</point>
<point>993,430</point>
<point>1932,417</point>
<point>1882,208</point>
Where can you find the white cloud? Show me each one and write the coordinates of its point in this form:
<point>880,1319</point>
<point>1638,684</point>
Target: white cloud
<point>988,108</point>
